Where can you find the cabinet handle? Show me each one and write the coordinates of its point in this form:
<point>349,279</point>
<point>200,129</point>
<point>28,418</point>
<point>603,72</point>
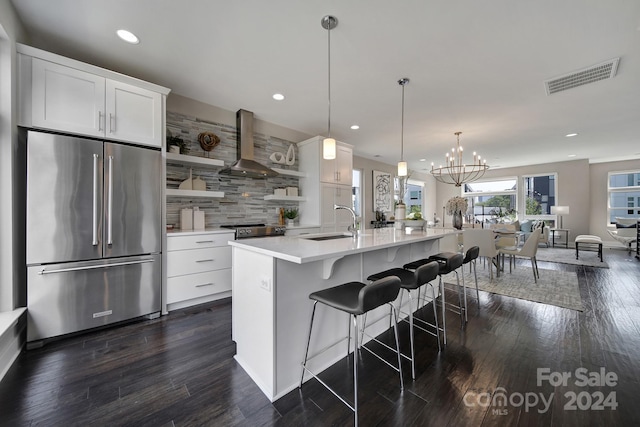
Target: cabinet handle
<point>94,240</point>
<point>205,284</point>
<point>205,260</point>
<point>112,123</point>
<point>205,241</point>
<point>110,204</point>
<point>100,117</point>
<point>339,178</point>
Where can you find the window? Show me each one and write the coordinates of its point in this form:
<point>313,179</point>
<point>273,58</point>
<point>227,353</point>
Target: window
<point>539,193</point>
<point>413,198</point>
<point>624,195</point>
<point>356,194</point>
<point>492,201</point>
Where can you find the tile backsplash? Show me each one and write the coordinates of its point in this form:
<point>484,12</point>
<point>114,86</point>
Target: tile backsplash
<point>243,200</point>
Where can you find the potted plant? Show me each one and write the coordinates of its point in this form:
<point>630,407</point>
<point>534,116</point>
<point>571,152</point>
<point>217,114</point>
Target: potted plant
<point>291,215</point>
<point>178,143</point>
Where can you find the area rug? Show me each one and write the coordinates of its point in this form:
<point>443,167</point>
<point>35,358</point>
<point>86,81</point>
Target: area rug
<point>559,288</point>
<point>568,256</point>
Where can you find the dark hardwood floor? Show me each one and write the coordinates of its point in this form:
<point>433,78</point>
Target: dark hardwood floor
<point>179,370</point>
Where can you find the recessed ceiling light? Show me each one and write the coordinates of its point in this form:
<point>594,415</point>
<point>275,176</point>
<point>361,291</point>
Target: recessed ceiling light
<point>569,135</point>
<point>278,96</point>
<point>355,127</point>
<point>572,155</point>
<point>423,160</point>
<point>128,36</point>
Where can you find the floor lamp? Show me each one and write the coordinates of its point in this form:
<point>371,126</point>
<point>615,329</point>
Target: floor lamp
<point>559,211</point>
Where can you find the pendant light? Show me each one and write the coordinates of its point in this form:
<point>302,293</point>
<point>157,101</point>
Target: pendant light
<point>329,144</point>
<point>402,165</point>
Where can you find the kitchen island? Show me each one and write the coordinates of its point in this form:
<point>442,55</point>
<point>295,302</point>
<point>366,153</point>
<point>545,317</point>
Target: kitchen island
<point>272,279</point>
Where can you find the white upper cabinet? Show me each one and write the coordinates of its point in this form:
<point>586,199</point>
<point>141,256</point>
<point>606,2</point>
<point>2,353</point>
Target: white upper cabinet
<point>338,170</point>
<point>67,100</point>
<point>65,95</point>
<point>326,182</point>
<point>133,114</point>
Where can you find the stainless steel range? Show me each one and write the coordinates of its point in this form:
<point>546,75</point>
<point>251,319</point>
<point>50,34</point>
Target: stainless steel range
<point>245,231</point>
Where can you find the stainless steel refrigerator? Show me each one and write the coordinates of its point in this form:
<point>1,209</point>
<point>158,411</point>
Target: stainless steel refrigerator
<point>93,233</point>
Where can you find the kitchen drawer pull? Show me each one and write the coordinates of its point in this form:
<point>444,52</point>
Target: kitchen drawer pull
<point>205,260</point>
<point>205,284</point>
<point>205,241</point>
<point>93,267</point>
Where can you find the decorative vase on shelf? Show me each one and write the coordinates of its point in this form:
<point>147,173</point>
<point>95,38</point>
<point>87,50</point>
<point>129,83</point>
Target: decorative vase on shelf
<point>457,220</point>
<point>291,222</point>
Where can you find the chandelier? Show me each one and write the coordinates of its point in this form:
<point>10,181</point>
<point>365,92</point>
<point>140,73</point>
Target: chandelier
<point>455,171</point>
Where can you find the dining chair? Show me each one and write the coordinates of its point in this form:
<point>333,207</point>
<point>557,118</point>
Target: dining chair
<point>484,239</point>
<point>528,250</point>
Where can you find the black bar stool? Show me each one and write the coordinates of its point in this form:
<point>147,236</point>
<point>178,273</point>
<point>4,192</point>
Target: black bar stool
<point>410,281</point>
<point>470,258</point>
<point>356,298</point>
<point>447,262</point>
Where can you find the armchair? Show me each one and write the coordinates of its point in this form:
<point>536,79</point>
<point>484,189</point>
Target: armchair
<point>625,232</point>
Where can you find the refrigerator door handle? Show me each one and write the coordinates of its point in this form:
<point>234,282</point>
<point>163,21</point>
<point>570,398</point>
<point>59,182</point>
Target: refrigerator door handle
<point>110,204</point>
<point>93,267</point>
<point>94,242</point>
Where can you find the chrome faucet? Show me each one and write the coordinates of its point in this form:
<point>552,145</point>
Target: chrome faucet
<point>353,228</point>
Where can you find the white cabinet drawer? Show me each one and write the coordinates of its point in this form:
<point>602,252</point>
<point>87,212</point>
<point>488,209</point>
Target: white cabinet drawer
<point>197,241</point>
<point>198,260</point>
<point>198,285</point>
<point>302,231</point>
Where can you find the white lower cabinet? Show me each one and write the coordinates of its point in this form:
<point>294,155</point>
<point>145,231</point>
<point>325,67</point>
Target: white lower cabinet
<point>198,268</point>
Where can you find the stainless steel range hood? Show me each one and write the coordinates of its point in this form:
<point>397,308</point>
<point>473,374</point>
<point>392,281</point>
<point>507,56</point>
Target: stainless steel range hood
<point>246,166</point>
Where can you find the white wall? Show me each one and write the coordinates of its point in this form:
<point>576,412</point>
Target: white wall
<point>12,268</point>
<point>368,166</point>
<point>10,31</point>
<point>598,184</point>
<point>573,190</point>
<point>581,186</point>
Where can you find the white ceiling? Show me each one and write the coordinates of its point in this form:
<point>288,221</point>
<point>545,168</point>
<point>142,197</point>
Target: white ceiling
<point>475,66</point>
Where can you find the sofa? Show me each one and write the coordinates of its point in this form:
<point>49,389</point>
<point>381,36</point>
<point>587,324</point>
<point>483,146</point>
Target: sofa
<point>527,227</point>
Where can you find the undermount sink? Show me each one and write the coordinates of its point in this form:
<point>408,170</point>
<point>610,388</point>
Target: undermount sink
<point>331,237</point>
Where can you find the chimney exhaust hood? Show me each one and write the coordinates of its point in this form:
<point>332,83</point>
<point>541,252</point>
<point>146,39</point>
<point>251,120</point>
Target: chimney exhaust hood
<point>246,166</point>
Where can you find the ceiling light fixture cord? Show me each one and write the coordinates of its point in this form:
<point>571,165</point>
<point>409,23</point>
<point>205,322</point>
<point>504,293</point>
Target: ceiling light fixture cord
<point>329,76</point>
<point>329,144</point>
<point>402,165</point>
<point>402,82</point>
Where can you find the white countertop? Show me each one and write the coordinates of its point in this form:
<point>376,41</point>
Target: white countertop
<point>300,250</point>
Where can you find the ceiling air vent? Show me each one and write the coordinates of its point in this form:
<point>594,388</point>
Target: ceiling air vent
<point>605,70</point>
